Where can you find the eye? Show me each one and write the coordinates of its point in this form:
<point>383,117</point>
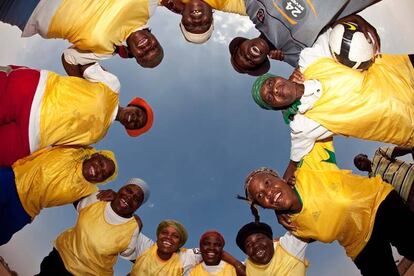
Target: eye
<point>260,195</point>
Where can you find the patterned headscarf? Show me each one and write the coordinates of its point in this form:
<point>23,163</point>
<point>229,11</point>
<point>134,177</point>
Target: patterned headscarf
<point>213,233</point>
<point>178,226</point>
<point>257,85</point>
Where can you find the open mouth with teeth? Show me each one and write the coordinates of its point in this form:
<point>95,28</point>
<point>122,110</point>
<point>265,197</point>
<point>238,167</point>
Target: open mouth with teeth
<point>92,171</point>
<point>255,51</point>
<point>124,203</point>
<point>166,243</point>
<point>277,197</point>
<point>142,42</point>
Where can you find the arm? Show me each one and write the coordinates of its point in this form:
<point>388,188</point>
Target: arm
<point>401,151</point>
<point>239,266</point>
<point>71,69</point>
<point>290,171</point>
<point>136,247</point>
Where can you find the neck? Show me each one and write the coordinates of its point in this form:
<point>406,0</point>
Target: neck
<point>297,203</point>
<point>120,109</point>
<point>117,211</point>
<point>299,90</point>
<point>164,255</point>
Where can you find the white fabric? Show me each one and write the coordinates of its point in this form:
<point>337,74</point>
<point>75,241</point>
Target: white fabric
<point>213,269</point>
<point>318,50</point>
<point>95,73</point>
<point>112,218</point>
<point>39,21</point>
<point>75,56</point>
<point>293,245</point>
<point>197,38</point>
<point>35,109</point>
<point>305,131</point>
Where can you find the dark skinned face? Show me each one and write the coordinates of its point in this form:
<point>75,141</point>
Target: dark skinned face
<point>251,53</point>
<point>211,249</point>
<point>279,92</point>
<point>97,168</point>
<point>132,117</point>
<point>259,248</point>
<point>362,162</point>
<point>271,192</point>
<point>168,240</point>
<point>197,17</point>
<point>128,199</point>
<point>144,47</point>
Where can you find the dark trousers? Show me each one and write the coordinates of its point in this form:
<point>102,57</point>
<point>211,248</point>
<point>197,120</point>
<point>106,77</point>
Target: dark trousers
<point>394,225</point>
<point>17,12</point>
<point>13,217</point>
<point>53,265</point>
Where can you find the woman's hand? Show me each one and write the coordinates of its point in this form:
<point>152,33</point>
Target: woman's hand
<point>285,221</point>
<point>276,54</point>
<point>106,195</point>
<point>297,76</point>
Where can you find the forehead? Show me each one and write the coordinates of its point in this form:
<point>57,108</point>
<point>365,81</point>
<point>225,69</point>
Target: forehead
<point>212,239</point>
<point>254,238</point>
<point>132,187</point>
<point>170,229</point>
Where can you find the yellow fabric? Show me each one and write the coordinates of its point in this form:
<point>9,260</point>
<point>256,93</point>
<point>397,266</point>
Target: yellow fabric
<point>93,245</point>
<point>150,264</point>
<point>52,177</point>
<point>228,270</point>
<point>377,104</point>
<point>231,6</point>
<point>75,111</point>
<point>98,26</point>
<point>337,205</point>
<point>282,263</point>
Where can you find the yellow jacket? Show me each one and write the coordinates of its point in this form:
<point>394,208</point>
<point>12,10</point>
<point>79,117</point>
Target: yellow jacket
<point>377,104</point>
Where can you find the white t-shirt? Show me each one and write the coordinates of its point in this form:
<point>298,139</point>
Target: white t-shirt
<point>112,218</point>
<point>293,245</point>
<point>305,131</point>
<point>189,258</point>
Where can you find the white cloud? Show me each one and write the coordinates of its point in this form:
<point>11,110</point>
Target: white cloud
<point>228,26</point>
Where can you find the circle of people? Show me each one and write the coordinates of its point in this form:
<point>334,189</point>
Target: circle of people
<point>48,123</point>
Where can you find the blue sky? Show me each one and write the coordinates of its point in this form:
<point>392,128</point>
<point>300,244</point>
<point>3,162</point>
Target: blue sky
<point>207,136</point>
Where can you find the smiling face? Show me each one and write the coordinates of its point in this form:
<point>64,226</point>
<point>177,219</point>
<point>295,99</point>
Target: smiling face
<point>197,17</point>
<point>128,199</point>
<point>211,248</point>
<point>259,248</point>
<point>145,48</point>
<point>168,240</point>
<point>132,117</point>
<point>97,168</point>
<point>279,92</point>
<point>251,53</point>
<point>271,192</point>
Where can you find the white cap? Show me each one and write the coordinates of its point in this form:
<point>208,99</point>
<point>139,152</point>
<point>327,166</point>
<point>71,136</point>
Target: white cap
<point>143,185</point>
<point>197,38</point>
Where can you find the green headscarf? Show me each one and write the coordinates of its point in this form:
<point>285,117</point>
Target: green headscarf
<point>257,85</point>
<point>178,226</point>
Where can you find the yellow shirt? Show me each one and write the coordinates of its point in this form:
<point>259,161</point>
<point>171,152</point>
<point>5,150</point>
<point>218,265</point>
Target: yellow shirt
<point>337,205</point>
<point>98,26</point>
<point>377,104</point>
<point>93,245</point>
<point>227,270</point>
<point>75,111</point>
<point>149,264</point>
<point>52,177</point>
<point>282,263</point>
<point>231,6</point>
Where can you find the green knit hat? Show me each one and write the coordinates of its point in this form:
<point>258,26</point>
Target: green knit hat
<point>257,85</point>
<point>178,226</point>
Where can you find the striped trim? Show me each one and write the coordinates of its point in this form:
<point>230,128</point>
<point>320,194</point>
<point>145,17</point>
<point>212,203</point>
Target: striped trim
<point>35,110</point>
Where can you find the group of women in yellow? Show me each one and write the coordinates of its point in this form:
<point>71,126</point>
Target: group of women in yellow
<point>48,123</point>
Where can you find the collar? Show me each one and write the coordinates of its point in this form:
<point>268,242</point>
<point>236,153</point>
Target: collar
<point>291,111</point>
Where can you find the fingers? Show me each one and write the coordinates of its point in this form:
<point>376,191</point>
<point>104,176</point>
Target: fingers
<point>106,195</point>
<point>285,221</point>
<point>297,76</point>
<point>276,54</point>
